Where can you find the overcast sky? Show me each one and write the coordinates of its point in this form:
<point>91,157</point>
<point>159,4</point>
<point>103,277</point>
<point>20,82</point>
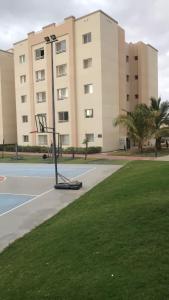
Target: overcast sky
<point>145,20</point>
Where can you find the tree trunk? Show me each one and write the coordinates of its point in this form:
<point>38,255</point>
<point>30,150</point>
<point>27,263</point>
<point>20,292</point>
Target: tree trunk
<point>156,148</point>
<point>158,143</point>
<point>140,146</point>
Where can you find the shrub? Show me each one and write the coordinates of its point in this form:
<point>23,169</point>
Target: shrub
<point>42,149</point>
<point>81,150</point>
<point>12,148</point>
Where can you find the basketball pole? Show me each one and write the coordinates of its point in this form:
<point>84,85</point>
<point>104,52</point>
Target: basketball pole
<point>66,183</point>
<point>52,40</point>
<point>54,118</point>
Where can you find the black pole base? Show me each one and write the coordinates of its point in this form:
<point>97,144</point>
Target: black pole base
<point>68,185</point>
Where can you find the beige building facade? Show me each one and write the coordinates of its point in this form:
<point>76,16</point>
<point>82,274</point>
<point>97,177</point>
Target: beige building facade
<point>97,76</point>
<point>7,99</point>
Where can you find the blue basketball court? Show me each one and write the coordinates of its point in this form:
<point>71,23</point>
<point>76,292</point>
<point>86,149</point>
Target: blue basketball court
<point>28,197</point>
<point>42,170</point>
<point>25,182</point>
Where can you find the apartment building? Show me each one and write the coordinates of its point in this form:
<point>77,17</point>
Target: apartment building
<point>97,75</point>
<point>7,99</point>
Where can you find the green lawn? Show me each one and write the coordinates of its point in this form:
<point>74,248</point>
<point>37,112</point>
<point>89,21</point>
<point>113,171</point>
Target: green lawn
<point>147,152</point>
<point>112,243</point>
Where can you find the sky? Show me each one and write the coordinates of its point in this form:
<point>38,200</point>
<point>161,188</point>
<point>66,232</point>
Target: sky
<point>146,20</point>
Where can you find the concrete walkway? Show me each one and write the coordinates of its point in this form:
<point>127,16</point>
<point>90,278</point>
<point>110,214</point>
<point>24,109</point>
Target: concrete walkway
<point>23,219</point>
<point>119,157</point>
<point>163,158</point>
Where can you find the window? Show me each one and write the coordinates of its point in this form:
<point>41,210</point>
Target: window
<point>41,97</point>
<point>64,139</point>
<point>88,88</point>
<point>127,97</point>
<point>22,78</point>
<point>22,59</point>
<point>25,138</point>
<point>88,113</point>
<point>136,77</point>
<point>127,58</point>
<point>63,116</point>
<point>42,140</point>
<point>99,135</point>
<point>87,63</point>
<point>136,96</point>
<point>136,57</point>
<point>41,122</point>
<point>62,93</point>
<point>87,38</point>
<point>40,75</point>
<point>61,46</point>
<point>127,78</point>
<point>23,98</point>
<point>24,119</point>
<point>39,53</point>
<point>61,70</point>
<point>90,137</point>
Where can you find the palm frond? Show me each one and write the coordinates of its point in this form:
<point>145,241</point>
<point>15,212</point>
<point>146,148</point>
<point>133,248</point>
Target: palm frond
<point>162,132</point>
<point>155,103</point>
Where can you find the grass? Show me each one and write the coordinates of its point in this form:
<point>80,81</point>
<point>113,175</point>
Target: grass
<point>147,152</point>
<point>64,160</point>
<point>112,243</point>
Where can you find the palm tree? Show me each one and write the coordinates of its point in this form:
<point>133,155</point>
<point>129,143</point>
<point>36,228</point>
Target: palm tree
<point>138,124</point>
<point>160,111</point>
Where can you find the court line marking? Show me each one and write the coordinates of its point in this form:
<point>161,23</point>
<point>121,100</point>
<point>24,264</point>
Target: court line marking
<point>88,171</point>
<point>19,194</point>
<point>44,177</point>
<point>27,202</point>
<point>30,176</point>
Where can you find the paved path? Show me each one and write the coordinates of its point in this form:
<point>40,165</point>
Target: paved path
<point>163,158</point>
<point>120,157</point>
<point>23,219</point>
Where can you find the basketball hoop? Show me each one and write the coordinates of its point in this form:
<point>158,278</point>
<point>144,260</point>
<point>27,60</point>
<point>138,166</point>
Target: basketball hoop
<point>61,181</point>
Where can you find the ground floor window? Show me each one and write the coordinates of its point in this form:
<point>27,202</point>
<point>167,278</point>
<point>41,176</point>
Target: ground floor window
<point>25,138</point>
<point>90,137</point>
<point>42,140</point>
<point>64,139</point>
